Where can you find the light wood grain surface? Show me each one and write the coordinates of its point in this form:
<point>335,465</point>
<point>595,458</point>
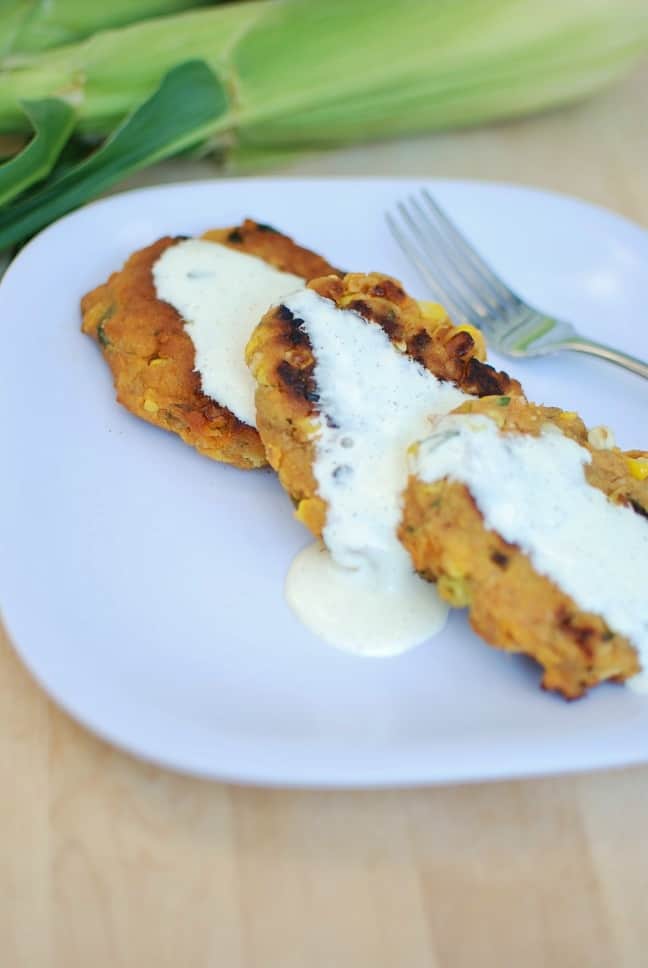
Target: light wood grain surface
<point>105,861</point>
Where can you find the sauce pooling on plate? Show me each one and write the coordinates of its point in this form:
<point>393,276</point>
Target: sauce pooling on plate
<point>533,492</point>
<point>221,295</point>
<point>354,610</point>
<point>373,402</point>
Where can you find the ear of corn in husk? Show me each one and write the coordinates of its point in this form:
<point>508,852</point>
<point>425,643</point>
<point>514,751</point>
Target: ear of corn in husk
<point>300,72</point>
<point>294,74</point>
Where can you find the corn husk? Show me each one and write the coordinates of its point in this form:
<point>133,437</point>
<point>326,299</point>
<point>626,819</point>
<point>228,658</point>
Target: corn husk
<point>302,72</point>
<point>32,25</point>
<point>277,76</point>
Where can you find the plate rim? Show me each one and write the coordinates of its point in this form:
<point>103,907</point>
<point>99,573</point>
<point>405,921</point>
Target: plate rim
<point>98,203</point>
<point>495,772</point>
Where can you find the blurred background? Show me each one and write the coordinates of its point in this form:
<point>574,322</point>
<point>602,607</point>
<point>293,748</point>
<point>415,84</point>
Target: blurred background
<point>91,94</point>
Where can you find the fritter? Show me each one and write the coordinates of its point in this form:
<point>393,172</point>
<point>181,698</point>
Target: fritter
<point>152,357</point>
<point>280,356</point>
<point>512,606</point>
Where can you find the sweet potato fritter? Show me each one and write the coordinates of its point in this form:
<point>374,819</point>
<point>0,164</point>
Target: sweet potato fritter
<point>280,357</point>
<point>511,605</point>
<point>152,357</point>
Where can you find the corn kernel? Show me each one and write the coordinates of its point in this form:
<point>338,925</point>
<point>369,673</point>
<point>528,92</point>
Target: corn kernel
<point>638,467</point>
<point>601,438</point>
<point>351,297</point>
<point>150,406</point>
<point>455,590</point>
<point>309,428</point>
<point>158,361</point>
<point>478,339</point>
<point>433,311</point>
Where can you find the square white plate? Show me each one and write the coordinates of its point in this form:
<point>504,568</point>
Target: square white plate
<point>143,583</point>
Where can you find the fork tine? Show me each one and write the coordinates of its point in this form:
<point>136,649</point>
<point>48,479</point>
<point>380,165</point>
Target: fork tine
<point>502,293</point>
<point>438,264</point>
<point>412,253</point>
<point>434,244</point>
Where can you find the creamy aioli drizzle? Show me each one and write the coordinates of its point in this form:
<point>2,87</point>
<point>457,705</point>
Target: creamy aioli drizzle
<point>221,295</point>
<point>534,493</point>
<point>350,609</point>
<point>374,402</point>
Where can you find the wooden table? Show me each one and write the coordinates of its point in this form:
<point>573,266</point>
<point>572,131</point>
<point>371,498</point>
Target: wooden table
<point>105,861</point>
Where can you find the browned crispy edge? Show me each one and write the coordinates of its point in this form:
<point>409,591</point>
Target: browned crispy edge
<point>512,606</point>
<point>152,358</point>
<point>280,356</point>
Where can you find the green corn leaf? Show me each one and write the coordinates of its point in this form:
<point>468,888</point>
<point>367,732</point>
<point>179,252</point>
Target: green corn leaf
<point>53,121</point>
<point>183,111</point>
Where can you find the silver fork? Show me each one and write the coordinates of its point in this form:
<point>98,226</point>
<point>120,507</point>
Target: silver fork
<point>472,292</point>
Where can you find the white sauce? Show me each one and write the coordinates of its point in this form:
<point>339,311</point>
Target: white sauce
<point>375,402</point>
<point>534,493</point>
<point>221,295</point>
<point>348,609</point>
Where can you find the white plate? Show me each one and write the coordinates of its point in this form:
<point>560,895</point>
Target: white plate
<point>143,583</point>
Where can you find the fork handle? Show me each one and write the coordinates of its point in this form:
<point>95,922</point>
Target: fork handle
<point>628,362</point>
